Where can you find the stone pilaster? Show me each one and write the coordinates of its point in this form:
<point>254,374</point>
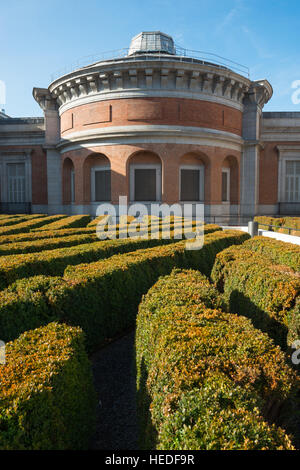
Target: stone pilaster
<point>259,93</point>
<point>52,137</point>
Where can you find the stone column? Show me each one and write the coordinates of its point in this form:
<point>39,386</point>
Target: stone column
<point>258,94</point>
<point>52,137</point>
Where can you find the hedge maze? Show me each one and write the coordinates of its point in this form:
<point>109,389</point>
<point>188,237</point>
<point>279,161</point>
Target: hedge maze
<point>214,331</point>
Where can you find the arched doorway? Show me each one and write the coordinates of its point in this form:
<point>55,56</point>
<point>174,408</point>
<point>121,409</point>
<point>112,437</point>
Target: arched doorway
<point>97,178</point>
<point>68,181</point>
<point>192,178</point>
<point>230,180</point>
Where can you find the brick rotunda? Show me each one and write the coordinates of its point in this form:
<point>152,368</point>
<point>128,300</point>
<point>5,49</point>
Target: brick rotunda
<point>157,125</point>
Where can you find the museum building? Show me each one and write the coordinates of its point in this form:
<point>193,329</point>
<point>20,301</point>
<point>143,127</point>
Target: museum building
<point>156,125</point>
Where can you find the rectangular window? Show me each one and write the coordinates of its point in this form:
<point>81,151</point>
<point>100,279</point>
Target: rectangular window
<point>225,185</point>
<point>102,185</point>
<point>292,181</point>
<point>16,182</point>
<point>145,184</point>
<point>192,184</point>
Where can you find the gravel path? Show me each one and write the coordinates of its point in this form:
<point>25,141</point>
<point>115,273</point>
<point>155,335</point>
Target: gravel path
<point>113,369</point>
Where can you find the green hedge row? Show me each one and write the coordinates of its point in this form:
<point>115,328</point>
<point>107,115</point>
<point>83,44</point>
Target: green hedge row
<point>47,397</point>
<point>32,223</point>
<point>43,234</point>
<point>280,224</point>
<point>38,245</point>
<point>257,288</point>
<point>277,251</point>
<point>6,221</point>
<point>50,234</point>
<point>74,221</point>
<point>206,379</point>
<point>101,297</point>
<point>54,261</point>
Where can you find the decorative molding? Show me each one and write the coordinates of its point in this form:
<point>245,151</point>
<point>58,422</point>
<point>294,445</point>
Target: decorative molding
<point>44,98</point>
<point>122,79</point>
<point>126,135</point>
<point>259,93</point>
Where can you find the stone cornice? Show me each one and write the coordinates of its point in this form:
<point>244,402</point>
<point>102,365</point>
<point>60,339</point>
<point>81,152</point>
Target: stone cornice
<point>280,134</point>
<point>288,148</point>
<point>151,133</point>
<point>259,93</point>
<point>25,151</point>
<point>23,138</point>
<point>149,78</point>
<point>43,97</point>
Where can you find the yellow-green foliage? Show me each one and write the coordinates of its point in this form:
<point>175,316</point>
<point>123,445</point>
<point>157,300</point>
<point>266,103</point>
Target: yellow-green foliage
<point>74,221</point>
<point>277,251</point>
<point>44,234</point>
<point>36,245</point>
<point>102,297</point>
<point>116,229</point>
<point>47,398</point>
<point>98,219</point>
<point>256,287</point>
<point>7,220</point>
<point>206,379</point>
<point>55,260</point>
<point>39,245</point>
<point>282,224</point>
<point>102,218</point>
<point>31,222</point>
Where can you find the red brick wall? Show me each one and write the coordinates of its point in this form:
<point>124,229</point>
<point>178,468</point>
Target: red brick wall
<point>39,176</point>
<point>171,156</point>
<point>158,111</point>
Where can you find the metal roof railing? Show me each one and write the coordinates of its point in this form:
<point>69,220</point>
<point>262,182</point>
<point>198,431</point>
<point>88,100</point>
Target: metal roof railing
<point>182,55</point>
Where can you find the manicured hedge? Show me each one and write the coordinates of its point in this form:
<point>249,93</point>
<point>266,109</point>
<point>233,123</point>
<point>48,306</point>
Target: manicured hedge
<point>43,234</point>
<point>102,297</point>
<point>280,224</point>
<point>96,220</point>
<point>277,251</point>
<point>207,379</point>
<point>55,260</point>
<point>101,218</point>
<point>38,245</point>
<point>34,222</point>
<point>257,288</point>
<point>5,221</point>
<point>46,233</point>
<point>47,397</point>
<point>74,221</point>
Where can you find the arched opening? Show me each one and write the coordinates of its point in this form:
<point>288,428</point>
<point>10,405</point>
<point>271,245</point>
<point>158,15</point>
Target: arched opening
<point>230,180</point>
<point>192,176</point>
<point>68,181</point>
<point>145,176</point>
<point>97,178</point>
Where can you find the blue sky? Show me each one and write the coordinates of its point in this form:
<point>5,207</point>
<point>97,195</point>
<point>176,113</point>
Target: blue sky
<point>38,38</point>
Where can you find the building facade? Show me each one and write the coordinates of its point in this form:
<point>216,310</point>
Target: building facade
<point>155,126</point>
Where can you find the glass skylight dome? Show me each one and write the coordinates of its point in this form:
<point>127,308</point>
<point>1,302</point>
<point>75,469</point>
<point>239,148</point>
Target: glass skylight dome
<point>152,41</point>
